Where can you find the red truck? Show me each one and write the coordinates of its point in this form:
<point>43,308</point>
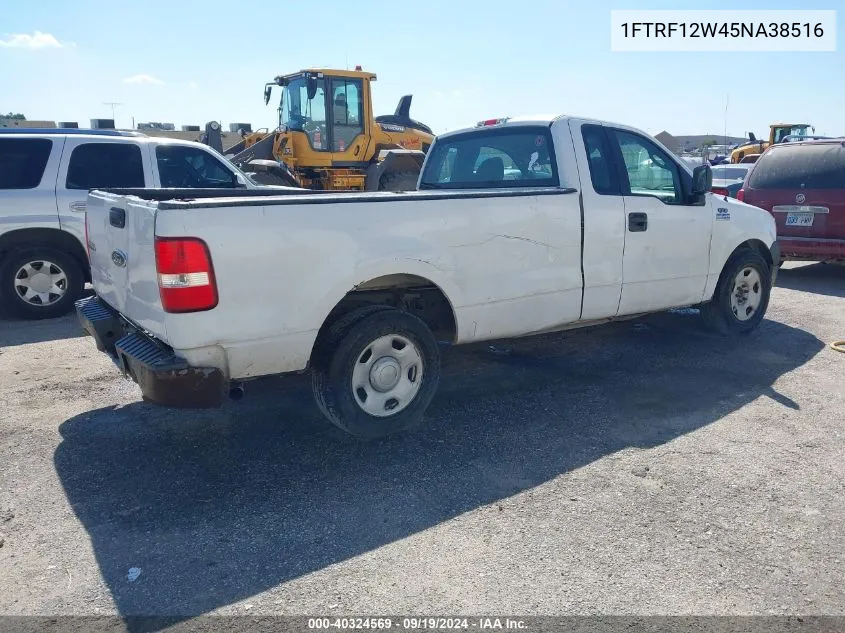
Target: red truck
<point>802,184</point>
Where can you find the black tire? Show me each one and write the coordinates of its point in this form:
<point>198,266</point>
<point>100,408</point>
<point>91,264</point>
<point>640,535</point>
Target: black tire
<point>348,339</point>
<point>399,181</point>
<point>718,314</point>
<point>12,292</point>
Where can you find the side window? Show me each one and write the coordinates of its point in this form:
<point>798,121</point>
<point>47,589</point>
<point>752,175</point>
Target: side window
<point>22,161</point>
<point>347,112</point>
<point>651,172</point>
<point>183,166</point>
<point>104,165</point>
<point>602,174</point>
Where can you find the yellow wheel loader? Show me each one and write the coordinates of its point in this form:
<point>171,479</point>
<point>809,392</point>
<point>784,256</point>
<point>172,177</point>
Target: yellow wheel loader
<point>328,138</point>
<point>778,132</point>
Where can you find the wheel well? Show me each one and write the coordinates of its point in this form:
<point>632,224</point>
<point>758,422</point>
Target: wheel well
<point>55,238</point>
<point>753,245</point>
<point>411,293</point>
<point>759,247</point>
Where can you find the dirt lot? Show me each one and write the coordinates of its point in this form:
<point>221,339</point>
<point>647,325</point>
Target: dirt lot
<point>645,467</point>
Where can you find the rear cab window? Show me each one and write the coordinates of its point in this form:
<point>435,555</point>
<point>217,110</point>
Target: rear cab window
<point>105,165</point>
<point>505,157</point>
<point>811,166</point>
<point>22,161</point>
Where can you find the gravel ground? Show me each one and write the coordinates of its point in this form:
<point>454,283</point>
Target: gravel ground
<point>645,467</point>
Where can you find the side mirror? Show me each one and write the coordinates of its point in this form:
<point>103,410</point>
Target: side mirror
<point>268,90</point>
<point>312,86</point>
<point>702,180</point>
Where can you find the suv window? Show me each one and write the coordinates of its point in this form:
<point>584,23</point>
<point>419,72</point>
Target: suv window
<point>103,165</point>
<point>650,170</point>
<point>604,178</point>
<point>191,167</point>
<point>817,166</point>
<point>22,161</point>
<point>515,157</point>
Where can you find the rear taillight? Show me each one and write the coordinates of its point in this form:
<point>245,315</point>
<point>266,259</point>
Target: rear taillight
<point>185,277</point>
<point>720,191</point>
<point>740,195</point>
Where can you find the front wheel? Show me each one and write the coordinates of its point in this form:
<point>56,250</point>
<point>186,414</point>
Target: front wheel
<point>380,376</point>
<point>742,295</point>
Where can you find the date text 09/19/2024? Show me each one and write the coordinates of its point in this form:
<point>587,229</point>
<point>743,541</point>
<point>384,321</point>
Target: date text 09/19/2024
<point>417,623</point>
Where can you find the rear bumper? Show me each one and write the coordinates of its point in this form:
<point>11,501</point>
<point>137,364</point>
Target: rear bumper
<point>811,248</point>
<point>164,377</point>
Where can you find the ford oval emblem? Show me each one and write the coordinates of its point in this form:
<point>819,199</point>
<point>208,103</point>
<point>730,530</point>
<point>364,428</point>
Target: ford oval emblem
<point>799,199</point>
<point>118,258</point>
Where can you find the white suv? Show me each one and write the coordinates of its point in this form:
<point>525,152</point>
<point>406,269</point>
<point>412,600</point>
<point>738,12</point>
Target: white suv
<point>45,176</point>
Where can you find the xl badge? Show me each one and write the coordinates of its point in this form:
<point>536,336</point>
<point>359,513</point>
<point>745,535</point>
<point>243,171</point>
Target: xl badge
<point>799,199</point>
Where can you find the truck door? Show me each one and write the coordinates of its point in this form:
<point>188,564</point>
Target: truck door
<point>346,117</point>
<point>667,238</point>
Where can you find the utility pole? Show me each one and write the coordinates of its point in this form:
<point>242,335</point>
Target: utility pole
<point>113,105</point>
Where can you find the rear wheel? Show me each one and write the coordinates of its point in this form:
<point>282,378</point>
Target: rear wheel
<point>399,181</point>
<point>742,295</point>
<point>40,283</point>
<point>380,375</point>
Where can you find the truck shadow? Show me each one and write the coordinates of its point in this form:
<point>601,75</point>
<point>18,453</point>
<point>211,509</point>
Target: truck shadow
<point>825,279</point>
<point>215,507</point>
<point>14,331</point>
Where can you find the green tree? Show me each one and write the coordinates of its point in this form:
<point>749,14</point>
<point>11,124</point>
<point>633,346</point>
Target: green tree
<point>14,116</point>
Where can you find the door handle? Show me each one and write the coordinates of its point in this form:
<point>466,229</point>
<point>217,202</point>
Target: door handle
<point>79,207</point>
<point>637,222</point>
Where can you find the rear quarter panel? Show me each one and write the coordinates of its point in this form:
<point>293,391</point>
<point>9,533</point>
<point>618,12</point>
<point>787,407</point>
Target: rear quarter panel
<point>508,265</point>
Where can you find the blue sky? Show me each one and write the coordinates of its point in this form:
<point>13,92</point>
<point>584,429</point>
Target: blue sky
<point>189,62</point>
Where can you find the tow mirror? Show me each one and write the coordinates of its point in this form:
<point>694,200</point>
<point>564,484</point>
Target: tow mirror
<point>312,86</point>
<point>702,180</point>
<point>268,90</point>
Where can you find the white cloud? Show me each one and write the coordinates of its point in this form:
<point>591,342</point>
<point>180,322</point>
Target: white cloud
<point>193,85</point>
<point>34,41</point>
<point>143,79</point>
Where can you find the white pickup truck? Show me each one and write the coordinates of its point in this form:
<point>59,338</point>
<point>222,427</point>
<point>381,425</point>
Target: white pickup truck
<point>519,227</point>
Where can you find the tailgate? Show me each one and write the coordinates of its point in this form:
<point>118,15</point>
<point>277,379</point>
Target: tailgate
<point>121,243</point>
<point>812,213</point>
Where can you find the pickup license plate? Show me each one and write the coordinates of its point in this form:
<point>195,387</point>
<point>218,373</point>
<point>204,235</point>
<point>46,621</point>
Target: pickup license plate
<point>799,219</point>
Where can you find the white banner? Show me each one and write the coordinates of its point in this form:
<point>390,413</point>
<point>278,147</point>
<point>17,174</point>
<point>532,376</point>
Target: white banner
<point>716,30</point>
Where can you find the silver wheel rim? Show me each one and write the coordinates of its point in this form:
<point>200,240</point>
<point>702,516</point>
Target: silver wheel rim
<point>747,293</point>
<point>40,283</point>
<point>387,375</point>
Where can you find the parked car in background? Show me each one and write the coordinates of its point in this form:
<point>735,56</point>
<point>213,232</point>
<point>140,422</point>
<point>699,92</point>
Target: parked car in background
<point>45,176</point>
<point>728,178</point>
<point>803,185</point>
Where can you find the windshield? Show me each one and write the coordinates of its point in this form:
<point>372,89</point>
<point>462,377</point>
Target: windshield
<point>795,130</point>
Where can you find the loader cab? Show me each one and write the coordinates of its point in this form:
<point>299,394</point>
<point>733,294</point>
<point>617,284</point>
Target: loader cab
<point>780,132</point>
<point>332,109</point>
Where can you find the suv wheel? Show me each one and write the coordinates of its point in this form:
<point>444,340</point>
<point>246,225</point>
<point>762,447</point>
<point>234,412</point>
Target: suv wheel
<point>40,283</point>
